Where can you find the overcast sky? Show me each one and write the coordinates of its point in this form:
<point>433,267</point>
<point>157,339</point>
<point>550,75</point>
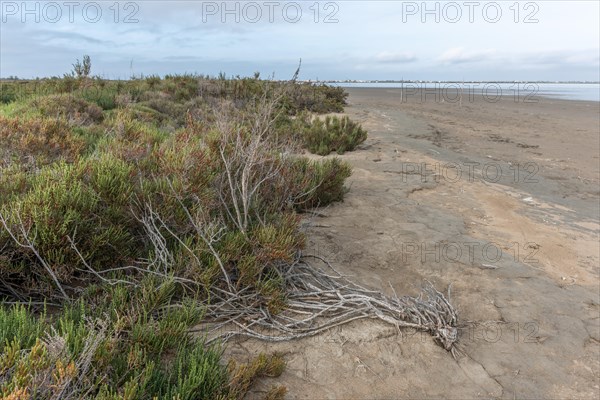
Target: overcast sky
<point>541,40</point>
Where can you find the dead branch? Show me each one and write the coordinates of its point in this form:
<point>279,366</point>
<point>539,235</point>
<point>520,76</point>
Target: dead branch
<point>28,244</point>
<point>318,301</point>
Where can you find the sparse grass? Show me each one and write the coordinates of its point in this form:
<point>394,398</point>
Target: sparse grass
<point>243,376</point>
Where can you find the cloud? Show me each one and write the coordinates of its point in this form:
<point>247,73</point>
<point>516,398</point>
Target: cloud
<point>182,58</point>
<point>395,58</point>
<point>562,57</point>
<point>174,37</point>
<point>70,37</point>
<point>458,55</point>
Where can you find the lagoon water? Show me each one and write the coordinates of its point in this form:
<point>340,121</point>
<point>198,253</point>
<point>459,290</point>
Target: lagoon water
<point>571,91</point>
<point>566,91</point>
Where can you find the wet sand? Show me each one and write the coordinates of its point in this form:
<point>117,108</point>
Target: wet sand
<point>499,200</point>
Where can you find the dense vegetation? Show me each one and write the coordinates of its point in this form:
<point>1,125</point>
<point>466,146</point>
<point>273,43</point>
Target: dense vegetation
<point>124,206</point>
<point>332,134</point>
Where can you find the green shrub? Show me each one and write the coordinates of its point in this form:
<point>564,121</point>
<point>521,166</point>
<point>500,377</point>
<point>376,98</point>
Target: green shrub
<point>120,343</point>
<point>165,110</point>
<point>8,92</point>
<point>326,182</point>
<point>18,324</point>
<point>75,110</point>
<point>96,179</point>
<point>333,134</point>
<point>43,140</point>
<point>320,99</point>
<point>91,135</point>
<point>87,201</point>
<point>126,351</point>
<point>145,178</point>
<point>181,87</point>
<point>104,97</point>
<point>152,81</point>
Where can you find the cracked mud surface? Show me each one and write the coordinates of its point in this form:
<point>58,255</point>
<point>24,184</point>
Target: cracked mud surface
<point>529,303</point>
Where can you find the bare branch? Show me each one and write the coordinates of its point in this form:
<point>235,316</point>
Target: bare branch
<point>29,245</point>
<point>317,301</point>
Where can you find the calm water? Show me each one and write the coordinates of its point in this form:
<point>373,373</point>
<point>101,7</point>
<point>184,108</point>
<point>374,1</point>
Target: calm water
<point>567,91</point>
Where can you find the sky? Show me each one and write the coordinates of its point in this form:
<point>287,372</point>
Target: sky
<point>434,40</point>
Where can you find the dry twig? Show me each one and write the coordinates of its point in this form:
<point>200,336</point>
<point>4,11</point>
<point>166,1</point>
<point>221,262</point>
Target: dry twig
<point>318,301</point>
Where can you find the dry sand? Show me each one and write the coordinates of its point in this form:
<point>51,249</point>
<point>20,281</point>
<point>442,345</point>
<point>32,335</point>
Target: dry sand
<point>520,251</point>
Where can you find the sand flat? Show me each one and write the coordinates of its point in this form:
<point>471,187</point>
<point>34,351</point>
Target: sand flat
<point>530,314</point>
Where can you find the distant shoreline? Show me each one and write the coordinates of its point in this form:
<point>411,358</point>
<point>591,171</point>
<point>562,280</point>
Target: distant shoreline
<point>492,91</point>
<point>463,82</point>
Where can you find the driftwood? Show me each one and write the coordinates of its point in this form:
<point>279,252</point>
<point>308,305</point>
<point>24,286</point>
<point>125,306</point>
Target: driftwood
<point>318,300</point>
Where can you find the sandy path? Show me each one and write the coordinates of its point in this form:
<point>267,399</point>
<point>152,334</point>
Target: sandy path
<point>522,256</point>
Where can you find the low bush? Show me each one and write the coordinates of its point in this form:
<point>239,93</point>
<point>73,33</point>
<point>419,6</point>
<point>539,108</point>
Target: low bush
<point>42,140</point>
<point>120,342</point>
<point>74,110</point>
<point>86,201</point>
<point>108,95</point>
<point>145,202</point>
<point>320,99</point>
<point>122,345</point>
<point>333,134</point>
<point>8,92</point>
<point>325,183</point>
<point>104,96</point>
<point>166,110</point>
<point>95,204</point>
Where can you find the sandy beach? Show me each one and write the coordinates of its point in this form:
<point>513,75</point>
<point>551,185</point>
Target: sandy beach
<point>497,203</point>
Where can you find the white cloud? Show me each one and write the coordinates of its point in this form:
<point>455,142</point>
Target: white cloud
<point>563,57</point>
<point>458,55</point>
<point>395,58</point>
